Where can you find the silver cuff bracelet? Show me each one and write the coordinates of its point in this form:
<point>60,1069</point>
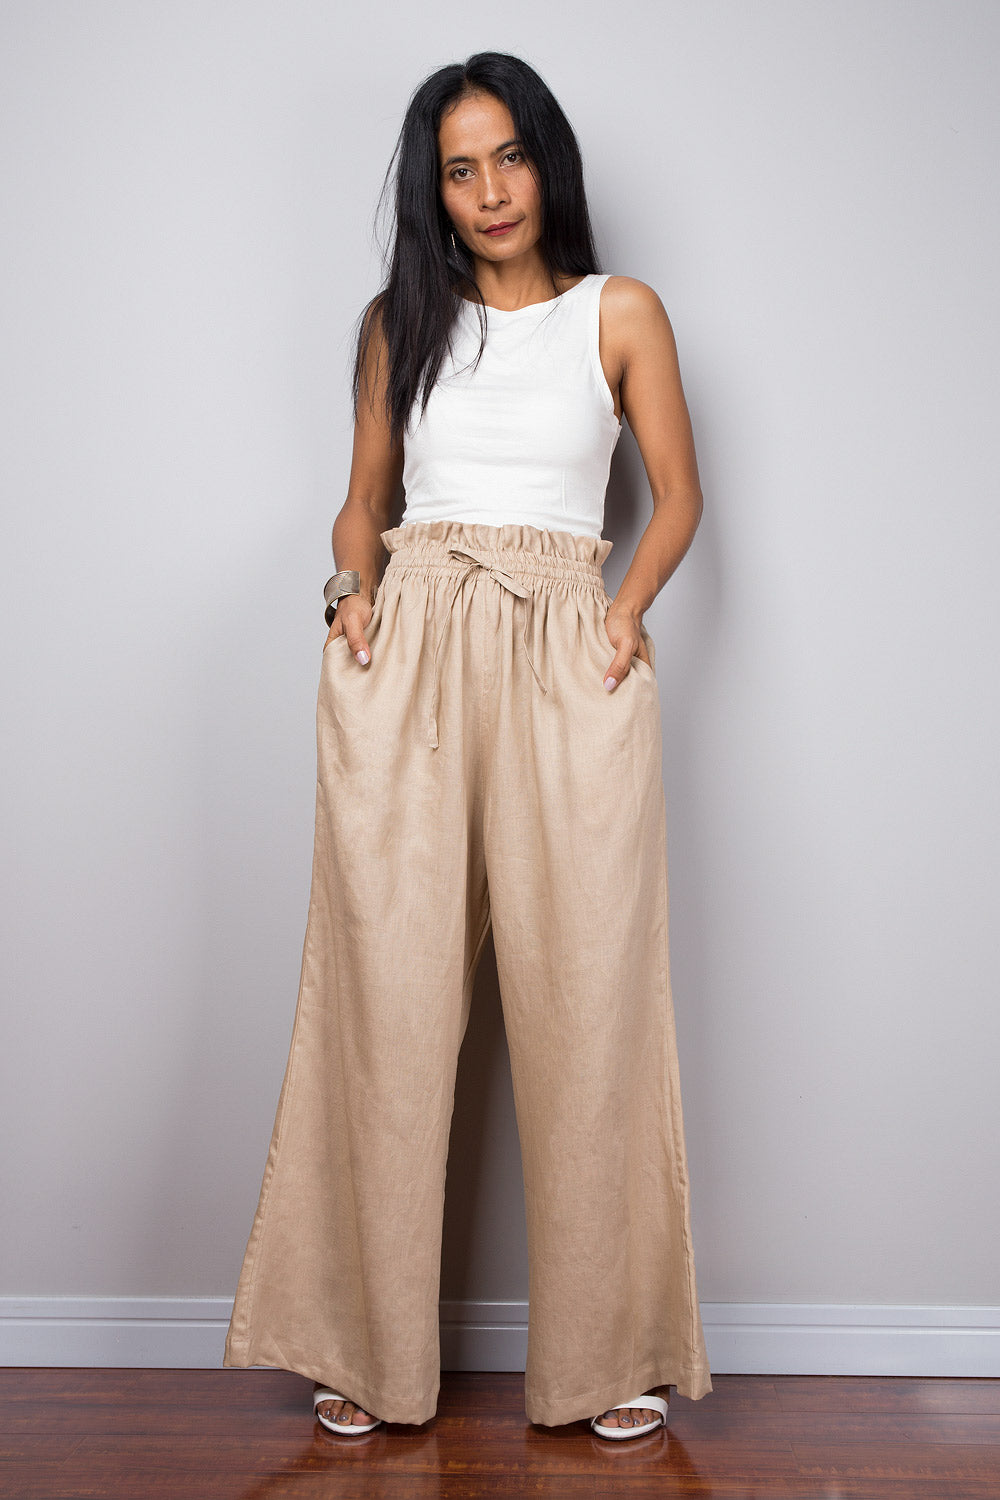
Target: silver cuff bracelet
<point>346,582</point>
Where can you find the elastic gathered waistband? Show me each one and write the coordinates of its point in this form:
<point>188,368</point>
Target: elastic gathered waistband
<point>510,556</point>
<point>522,551</point>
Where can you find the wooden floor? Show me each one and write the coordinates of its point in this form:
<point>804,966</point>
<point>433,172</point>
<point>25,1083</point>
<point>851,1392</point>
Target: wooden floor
<point>250,1433</point>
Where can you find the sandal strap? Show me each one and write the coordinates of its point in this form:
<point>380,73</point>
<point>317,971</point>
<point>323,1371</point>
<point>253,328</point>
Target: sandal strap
<point>652,1403</point>
<point>326,1394</point>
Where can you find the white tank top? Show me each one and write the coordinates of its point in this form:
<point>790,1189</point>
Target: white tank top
<point>526,437</point>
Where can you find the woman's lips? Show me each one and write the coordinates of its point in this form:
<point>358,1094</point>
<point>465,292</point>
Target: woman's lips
<point>498,229</point>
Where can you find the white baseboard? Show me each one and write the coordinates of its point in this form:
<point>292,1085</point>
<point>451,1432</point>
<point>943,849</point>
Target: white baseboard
<point>771,1338</point>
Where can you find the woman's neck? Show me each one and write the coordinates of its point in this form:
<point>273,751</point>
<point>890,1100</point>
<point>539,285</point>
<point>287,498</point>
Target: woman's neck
<point>517,288</point>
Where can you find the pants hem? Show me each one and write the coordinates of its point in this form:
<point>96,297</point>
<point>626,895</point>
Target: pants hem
<point>601,1398</point>
<point>412,1411</point>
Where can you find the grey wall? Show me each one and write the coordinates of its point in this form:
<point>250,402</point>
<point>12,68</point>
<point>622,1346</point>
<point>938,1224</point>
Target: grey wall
<point>187,196</point>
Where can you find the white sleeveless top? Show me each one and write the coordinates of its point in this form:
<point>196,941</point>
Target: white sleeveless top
<point>527,436</point>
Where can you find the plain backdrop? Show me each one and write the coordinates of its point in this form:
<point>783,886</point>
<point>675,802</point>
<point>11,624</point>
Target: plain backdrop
<point>187,202</point>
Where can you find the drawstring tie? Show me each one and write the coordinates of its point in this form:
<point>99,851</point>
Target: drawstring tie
<point>475,560</point>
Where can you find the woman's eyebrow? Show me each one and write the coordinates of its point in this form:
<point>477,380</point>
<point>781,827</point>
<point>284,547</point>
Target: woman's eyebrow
<point>496,152</point>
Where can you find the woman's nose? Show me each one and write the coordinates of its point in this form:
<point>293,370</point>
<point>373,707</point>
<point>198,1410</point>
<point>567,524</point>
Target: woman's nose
<point>492,193</point>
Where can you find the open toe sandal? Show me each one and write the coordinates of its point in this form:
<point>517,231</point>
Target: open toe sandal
<point>342,1429</point>
<point>652,1403</point>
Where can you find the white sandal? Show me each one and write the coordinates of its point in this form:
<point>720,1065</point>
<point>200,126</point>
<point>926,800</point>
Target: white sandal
<point>340,1428</point>
<point>652,1403</point>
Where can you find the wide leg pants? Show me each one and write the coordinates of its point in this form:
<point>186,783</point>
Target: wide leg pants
<point>477,773</point>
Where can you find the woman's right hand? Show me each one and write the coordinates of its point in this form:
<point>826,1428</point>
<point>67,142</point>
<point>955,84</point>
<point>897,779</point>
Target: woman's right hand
<point>350,618</point>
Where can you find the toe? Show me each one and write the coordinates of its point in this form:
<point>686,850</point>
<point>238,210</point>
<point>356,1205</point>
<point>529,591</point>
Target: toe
<point>628,1416</point>
<point>345,1414</point>
<point>617,1416</point>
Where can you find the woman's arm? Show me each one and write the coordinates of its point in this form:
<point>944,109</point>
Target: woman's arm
<point>640,360</point>
<point>376,469</point>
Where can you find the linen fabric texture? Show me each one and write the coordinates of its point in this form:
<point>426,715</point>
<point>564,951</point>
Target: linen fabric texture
<point>477,774</point>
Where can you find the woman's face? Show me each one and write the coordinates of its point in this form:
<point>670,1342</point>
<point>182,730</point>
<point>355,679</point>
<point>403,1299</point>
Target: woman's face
<point>486,179</point>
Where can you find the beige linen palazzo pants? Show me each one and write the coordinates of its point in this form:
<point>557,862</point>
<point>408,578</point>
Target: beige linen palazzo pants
<point>477,773</point>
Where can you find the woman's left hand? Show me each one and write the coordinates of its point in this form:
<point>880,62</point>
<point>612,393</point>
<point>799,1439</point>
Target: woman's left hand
<point>623,631</point>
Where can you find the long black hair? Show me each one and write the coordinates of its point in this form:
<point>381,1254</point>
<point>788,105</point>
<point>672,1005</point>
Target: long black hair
<point>417,304</point>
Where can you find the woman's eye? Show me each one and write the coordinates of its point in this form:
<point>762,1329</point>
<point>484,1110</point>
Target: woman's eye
<point>515,155</point>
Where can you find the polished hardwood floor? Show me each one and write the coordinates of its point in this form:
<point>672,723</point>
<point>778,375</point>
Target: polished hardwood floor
<point>244,1434</point>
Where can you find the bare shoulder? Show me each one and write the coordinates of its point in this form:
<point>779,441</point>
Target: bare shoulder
<point>631,301</point>
<point>373,322</point>
<point>371,350</point>
<point>635,324</point>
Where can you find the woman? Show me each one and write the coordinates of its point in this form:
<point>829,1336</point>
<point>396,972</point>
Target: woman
<point>488,738</point>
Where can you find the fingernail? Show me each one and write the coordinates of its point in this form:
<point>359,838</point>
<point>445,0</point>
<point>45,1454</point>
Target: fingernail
<point>610,682</point>
<point>363,657</point>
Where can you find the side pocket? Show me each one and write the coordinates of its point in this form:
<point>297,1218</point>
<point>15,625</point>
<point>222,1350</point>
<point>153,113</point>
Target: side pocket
<point>650,645</point>
<point>374,620</point>
<point>378,604</point>
<point>637,662</point>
